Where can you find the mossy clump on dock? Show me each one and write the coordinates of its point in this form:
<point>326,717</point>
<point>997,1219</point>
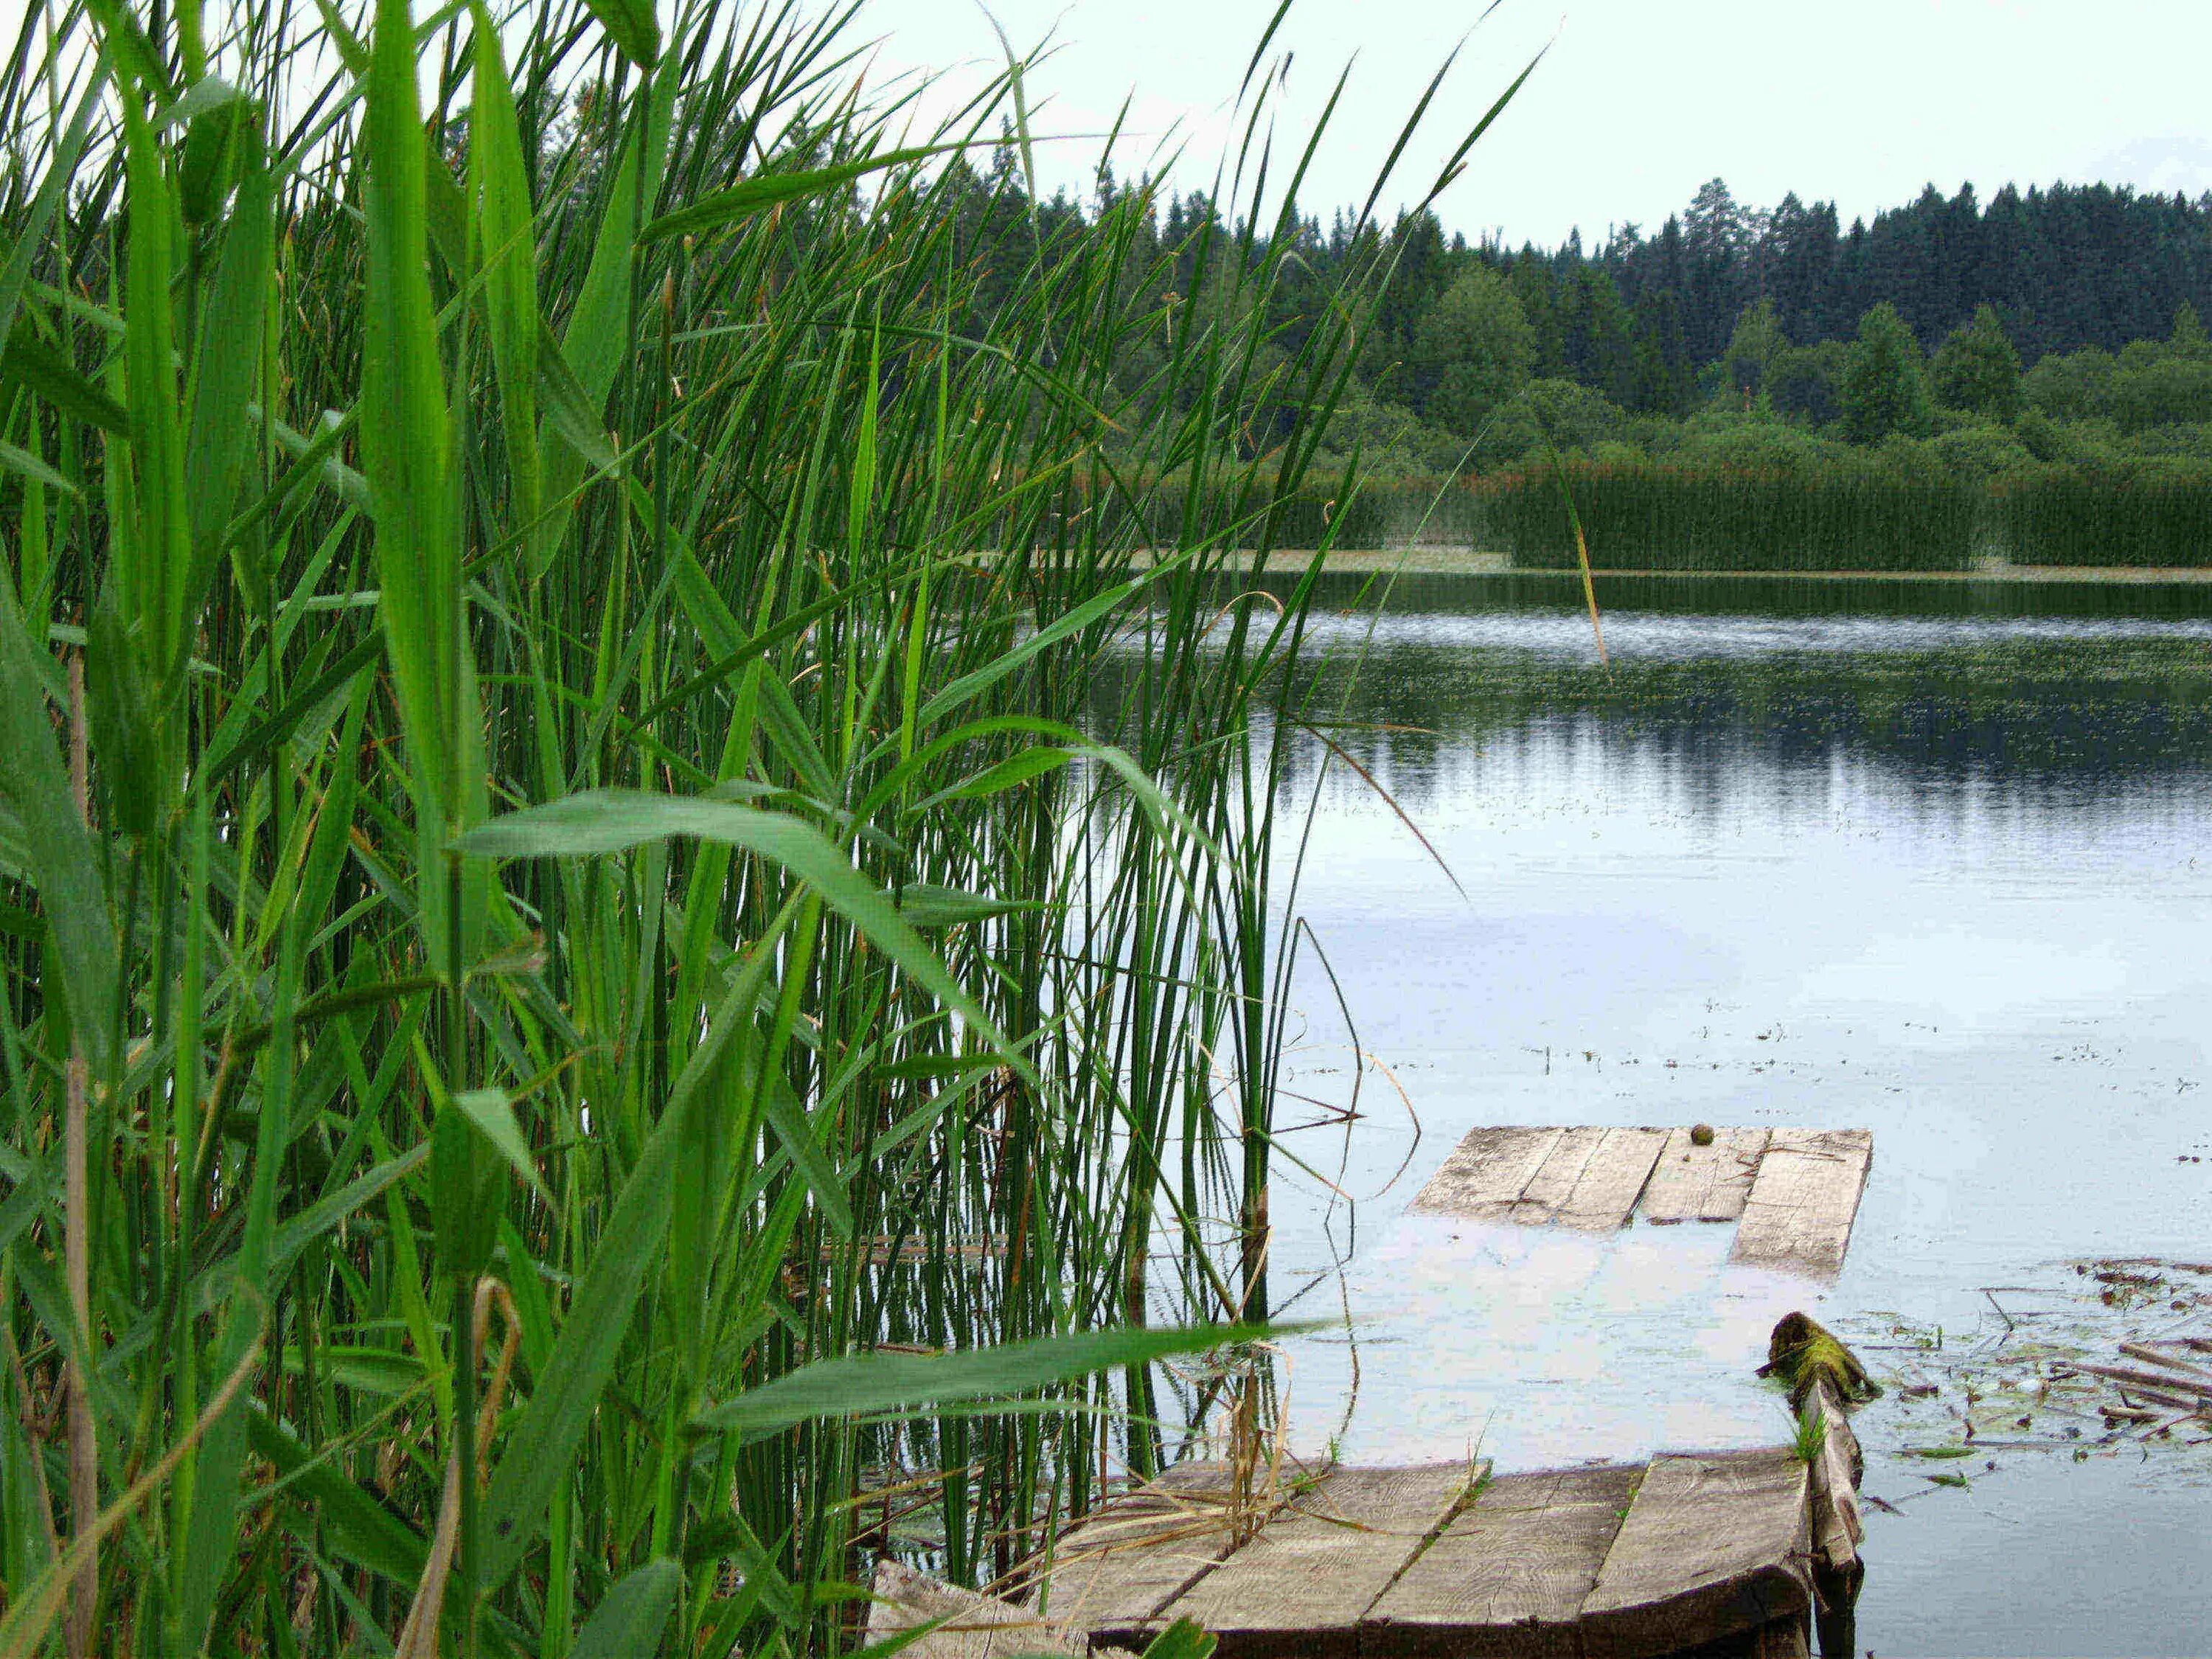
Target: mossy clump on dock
<point>1804,1352</point>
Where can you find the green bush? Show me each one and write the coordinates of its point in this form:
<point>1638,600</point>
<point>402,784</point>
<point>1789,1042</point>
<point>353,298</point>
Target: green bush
<point>2073,385</point>
<point>1753,444</point>
<point>2170,391</point>
<point>1980,453</point>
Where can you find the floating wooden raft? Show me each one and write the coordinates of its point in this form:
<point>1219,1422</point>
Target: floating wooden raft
<point>1795,1193</point>
<point>1708,1553</point>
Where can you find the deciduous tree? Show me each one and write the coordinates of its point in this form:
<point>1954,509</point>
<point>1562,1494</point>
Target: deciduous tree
<point>1472,352</point>
<point>1885,386</point>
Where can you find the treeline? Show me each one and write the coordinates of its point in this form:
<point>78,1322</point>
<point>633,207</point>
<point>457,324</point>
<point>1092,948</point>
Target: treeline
<point>2065,267</point>
<point>1748,389</point>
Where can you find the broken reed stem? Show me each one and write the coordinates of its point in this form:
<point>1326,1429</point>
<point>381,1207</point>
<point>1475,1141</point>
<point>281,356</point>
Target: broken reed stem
<point>36,1432</point>
<point>83,1431</point>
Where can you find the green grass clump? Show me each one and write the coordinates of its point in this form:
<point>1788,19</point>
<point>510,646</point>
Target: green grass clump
<point>571,912</point>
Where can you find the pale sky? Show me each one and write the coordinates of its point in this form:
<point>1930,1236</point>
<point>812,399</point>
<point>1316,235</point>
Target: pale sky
<point>1636,104</point>
<point>1639,101</point>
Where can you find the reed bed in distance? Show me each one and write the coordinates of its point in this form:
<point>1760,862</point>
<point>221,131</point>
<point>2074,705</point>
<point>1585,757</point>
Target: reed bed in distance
<point>1655,516</point>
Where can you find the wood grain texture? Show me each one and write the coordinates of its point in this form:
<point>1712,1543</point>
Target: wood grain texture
<point>1837,1527</point>
<point>1702,1183</point>
<point>1508,1574</point>
<point>1112,1574</point>
<point>1803,1200</point>
<point>1485,1175</point>
<point>1606,1192</point>
<point>976,1627</point>
<point>1714,1544</point>
<point>1553,1183</point>
<point>1303,1584</point>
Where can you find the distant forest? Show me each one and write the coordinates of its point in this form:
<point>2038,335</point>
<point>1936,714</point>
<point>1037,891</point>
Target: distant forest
<point>2076,306</point>
<point>1747,388</point>
<point>2065,267</point>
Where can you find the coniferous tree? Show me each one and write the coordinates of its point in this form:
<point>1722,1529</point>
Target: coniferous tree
<point>1595,337</point>
<point>1532,283</point>
<point>1666,380</point>
<point>1976,368</point>
<point>2188,338</point>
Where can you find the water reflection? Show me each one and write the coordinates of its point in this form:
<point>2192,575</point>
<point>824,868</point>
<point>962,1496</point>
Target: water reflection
<point>1937,878</point>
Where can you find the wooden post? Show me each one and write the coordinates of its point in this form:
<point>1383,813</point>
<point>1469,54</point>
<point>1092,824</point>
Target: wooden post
<point>1826,1379</point>
<point>1838,1530</point>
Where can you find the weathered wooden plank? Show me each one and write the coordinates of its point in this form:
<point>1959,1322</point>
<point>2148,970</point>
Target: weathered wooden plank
<point>1838,1529</point>
<point>1509,1574</point>
<point>1803,1200</point>
<point>1606,1192</point>
<point>1485,1175</point>
<point>1702,1183</point>
<point>1553,1183</point>
<point>1714,1543</point>
<point>976,1627</point>
<point>1301,1586</point>
<point>1112,1574</point>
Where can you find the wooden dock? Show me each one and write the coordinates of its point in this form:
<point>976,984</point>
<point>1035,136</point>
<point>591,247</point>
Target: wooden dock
<point>1611,1561</point>
<point>1702,1555</point>
<point>1793,1193</point>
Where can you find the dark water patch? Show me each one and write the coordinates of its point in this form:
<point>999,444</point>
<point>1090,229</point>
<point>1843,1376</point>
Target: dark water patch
<point>1794,594</point>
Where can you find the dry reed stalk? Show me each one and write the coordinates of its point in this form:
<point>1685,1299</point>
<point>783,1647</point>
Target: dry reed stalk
<point>419,1635</point>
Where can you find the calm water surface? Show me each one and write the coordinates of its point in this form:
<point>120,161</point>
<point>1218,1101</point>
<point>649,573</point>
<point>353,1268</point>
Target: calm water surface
<point>1946,877</point>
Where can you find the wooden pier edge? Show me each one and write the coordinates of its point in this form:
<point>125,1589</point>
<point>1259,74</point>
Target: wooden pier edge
<point>1735,1555</point>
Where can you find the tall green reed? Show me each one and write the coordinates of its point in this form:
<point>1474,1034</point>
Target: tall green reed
<point>1661,516</point>
<point>2068,516</point>
<point>575,909</point>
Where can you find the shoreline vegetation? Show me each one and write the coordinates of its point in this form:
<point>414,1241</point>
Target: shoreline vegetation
<point>645,949</point>
<point>619,993</point>
<point>1863,515</point>
<point>1433,560</point>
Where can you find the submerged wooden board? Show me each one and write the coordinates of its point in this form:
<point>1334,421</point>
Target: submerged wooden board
<point>1120,1565</point>
<point>1795,1193</point>
<point>1486,1172</point>
<point>1302,1585</point>
<point>1606,1194</point>
<point>1803,1200</point>
<point>1508,1574</point>
<point>1691,1182</point>
<point>1554,1181</point>
<point>1714,1544</point>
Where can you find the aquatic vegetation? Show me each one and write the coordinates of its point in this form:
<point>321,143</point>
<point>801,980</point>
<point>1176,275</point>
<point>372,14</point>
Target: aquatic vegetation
<point>2038,1373</point>
<point>1859,516</point>
<point>2064,515</point>
<point>1803,1354</point>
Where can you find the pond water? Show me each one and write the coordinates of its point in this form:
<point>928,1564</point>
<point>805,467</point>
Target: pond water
<point>1945,876</point>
